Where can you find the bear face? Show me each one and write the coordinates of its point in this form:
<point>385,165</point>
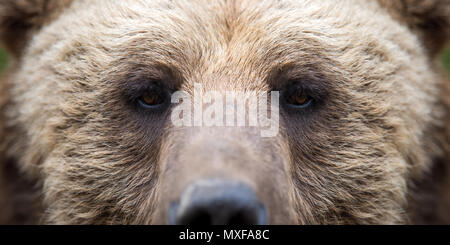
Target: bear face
<point>74,120</point>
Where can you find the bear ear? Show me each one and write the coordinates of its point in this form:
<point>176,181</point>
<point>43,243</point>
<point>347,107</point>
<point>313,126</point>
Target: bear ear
<point>430,19</point>
<point>19,18</point>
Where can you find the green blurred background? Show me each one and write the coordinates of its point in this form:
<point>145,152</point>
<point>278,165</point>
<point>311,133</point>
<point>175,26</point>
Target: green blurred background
<point>446,59</point>
<point>4,60</point>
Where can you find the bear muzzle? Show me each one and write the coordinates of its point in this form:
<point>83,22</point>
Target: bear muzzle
<point>217,202</point>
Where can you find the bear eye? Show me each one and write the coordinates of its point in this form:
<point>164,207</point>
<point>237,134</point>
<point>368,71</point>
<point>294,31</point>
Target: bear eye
<point>298,98</point>
<point>152,99</point>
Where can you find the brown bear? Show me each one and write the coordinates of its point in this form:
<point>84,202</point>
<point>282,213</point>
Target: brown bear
<point>86,112</point>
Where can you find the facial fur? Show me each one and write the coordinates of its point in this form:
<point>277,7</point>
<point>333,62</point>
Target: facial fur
<point>352,159</point>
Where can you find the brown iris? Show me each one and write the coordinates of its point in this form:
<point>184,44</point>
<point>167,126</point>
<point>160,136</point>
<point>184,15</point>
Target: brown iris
<point>299,98</point>
<point>152,98</point>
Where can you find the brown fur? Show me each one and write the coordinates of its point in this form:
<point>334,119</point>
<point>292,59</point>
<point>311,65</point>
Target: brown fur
<point>22,17</point>
<point>428,18</point>
<point>363,156</point>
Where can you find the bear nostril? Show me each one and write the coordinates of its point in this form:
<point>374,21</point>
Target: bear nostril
<point>218,202</point>
<point>241,218</point>
<point>195,217</point>
<point>227,215</point>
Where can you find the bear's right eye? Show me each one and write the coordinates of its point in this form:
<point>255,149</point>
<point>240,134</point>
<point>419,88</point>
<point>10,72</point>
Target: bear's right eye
<point>151,99</point>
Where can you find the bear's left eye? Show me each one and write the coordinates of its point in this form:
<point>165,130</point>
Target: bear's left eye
<point>298,98</point>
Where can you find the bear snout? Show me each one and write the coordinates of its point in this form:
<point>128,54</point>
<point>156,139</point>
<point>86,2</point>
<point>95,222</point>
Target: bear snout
<point>217,202</point>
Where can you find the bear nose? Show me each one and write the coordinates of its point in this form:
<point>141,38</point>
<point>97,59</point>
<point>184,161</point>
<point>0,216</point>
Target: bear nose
<point>217,202</point>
